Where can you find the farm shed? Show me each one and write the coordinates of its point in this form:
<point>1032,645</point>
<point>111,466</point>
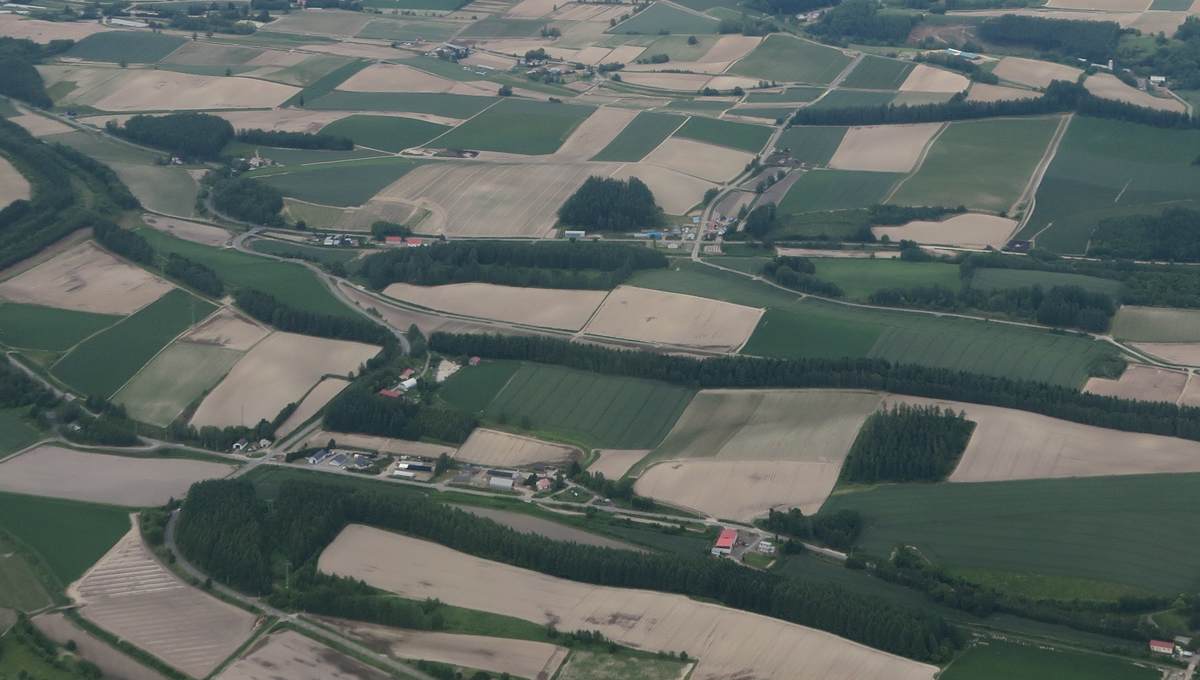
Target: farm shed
<point>339,460</point>
<point>318,457</point>
<point>408,384</point>
<point>474,361</point>
<point>404,474</point>
<point>725,542</point>
<point>390,393</point>
<point>501,483</point>
<point>1160,647</point>
<point>501,473</point>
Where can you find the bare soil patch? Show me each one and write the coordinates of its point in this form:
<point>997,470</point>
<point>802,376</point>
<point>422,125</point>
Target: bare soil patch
<point>1108,86</point>
<point>16,26</point>
<point>968,230</point>
<point>614,463</point>
<point>1032,72</point>
<point>734,643</point>
<point>13,185</point>
<point>982,92</point>
<point>86,278</point>
<point>593,55</point>
<point>204,234</point>
<point>527,524</point>
<point>114,664</point>
<point>667,81</point>
<point>655,316</point>
<point>277,371</point>
<point>400,317</point>
<point>366,442</point>
<point>594,133</point>
<point>545,307</point>
<point>711,162</point>
<point>40,126</point>
<point>1183,353</point>
<point>730,82</point>
<point>131,594</point>
<point>172,91</point>
<point>739,490</point>
<point>929,79</point>
<point>290,655</point>
<point>492,447</point>
<point>395,78</point>
<point>284,120</point>
<point>227,329</point>
<point>98,478</point>
<point>1145,383</point>
<point>891,148</point>
<point>314,401</point>
<point>674,191</point>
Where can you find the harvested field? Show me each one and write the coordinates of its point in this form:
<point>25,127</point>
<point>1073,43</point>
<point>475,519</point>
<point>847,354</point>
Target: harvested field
<point>204,234</point>
<point>730,48</point>
<point>1150,23</point>
<point>528,524</point>
<point>690,157</point>
<point>532,9</point>
<point>400,317</point>
<point>40,126</point>
<point>890,148</point>
<point>1154,324</point>
<point>614,463</point>
<point>172,91</point>
<point>491,447</point>
<point>288,654</point>
<point>675,192</point>
<point>16,26</point>
<point>197,53</point>
<point>227,329</point>
<point>385,445</point>
<point>667,81</point>
<point>1103,5</point>
<point>314,401</point>
<point>1144,383</point>
<point>1032,72</point>
<point>730,82</point>
<point>112,663</point>
<point>739,490</point>
<point>982,92</point>
<point>395,78</point>
<point>1107,86</point>
<point>173,380</point>
<point>595,133</point>
<point>655,316</point>
<point>549,308</point>
<point>86,278</point>
<point>131,594</point>
<point>968,230</point>
<point>735,643</point>
<point>326,22</point>
<point>279,370</point>
<point>929,79</point>
<point>522,658</point>
<point>14,186</point>
<point>98,478</point>
<point>283,120</point>
<point>1182,353</point>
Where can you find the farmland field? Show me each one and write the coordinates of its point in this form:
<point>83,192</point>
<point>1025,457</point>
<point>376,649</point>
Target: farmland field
<point>610,412</point>
<point>1154,324</point>
<point>992,279</point>
<point>858,278</point>
<point>86,278</point>
<point>790,95</point>
<point>849,99</point>
<point>533,524</point>
<point>1003,156</point>
<point>387,133</point>
<point>518,126</point>
<point>20,588</point>
<point>433,103</point>
<point>492,447</point>
<point>768,113</point>
<point>660,17</point>
<point>129,46</point>
<point>992,659</point>
<point>474,387</point>
<point>585,665</point>
<point>820,190</point>
<point>106,361</point>
<point>345,184</point>
<point>890,148</point>
<point>640,137</point>
<point>646,315</point>
<point>742,136</point>
<point>297,250</point>
<point>15,432</point>
<point>967,230</point>
<point>177,377</point>
<point>1115,529</point>
<point>35,327</point>
<point>785,59</point>
<point>814,145</point>
<point>314,401</point>
<point>544,307</point>
<point>171,191</point>
<point>877,73</point>
<point>67,536</point>
<point>795,335</point>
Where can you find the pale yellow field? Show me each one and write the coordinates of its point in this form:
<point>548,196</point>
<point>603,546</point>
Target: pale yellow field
<point>284,120</point>
<point>89,83</point>
<point>514,47</point>
<point>593,55</point>
<point>708,161</point>
<point>399,317</point>
<point>171,91</point>
<point>198,53</point>
<point>16,26</point>
<point>730,82</point>
<point>1182,353</point>
<point>545,307</point>
<point>594,134</point>
<point>675,192</point>
<point>314,401</point>
<point>288,654</point>
<point>968,230</point>
<point>730,48</point>
<point>1032,72</point>
<point>86,278</point>
<point>673,319</point>
<point>117,480</point>
<point>355,50</point>
<point>614,463</point>
<point>491,447</point>
<point>385,445</point>
<point>740,490</point>
<point>1107,85</point>
<point>589,12</point>
<point>928,79</point>
<point>728,642</point>
<point>13,185</point>
<point>1156,22</point>
<point>1103,5</point>
<point>227,329</point>
<point>204,234</point>
<point>132,595</point>
<point>626,53</point>
<point>327,22</point>
<point>40,126</point>
<point>982,92</point>
<point>113,663</point>
<point>1145,383</point>
<point>277,371</point>
<point>890,148</point>
<point>395,78</point>
<point>278,58</point>
<point>533,9</point>
<point>1191,392</point>
<point>1157,325</point>
<point>667,81</point>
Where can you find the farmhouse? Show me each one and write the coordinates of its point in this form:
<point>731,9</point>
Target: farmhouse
<point>1160,647</point>
<point>725,542</point>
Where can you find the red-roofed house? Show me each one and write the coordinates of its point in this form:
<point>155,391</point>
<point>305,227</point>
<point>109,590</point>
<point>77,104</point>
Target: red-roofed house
<point>725,542</point>
<point>394,240</point>
<point>405,373</point>
<point>1160,647</point>
<point>474,361</point>
<point>413,242</point>
<point>390,393</point>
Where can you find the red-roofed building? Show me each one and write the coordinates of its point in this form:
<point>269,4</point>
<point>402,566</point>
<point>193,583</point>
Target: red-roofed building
<point>405,373</point>
<point>390,393</point>
<point>725,542</point>
<point>394,240</point>
<point>414,242</point>
<point>474,361</point>
<point>1160,647</point>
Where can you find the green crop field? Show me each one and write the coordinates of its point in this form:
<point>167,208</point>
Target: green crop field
<point>1107,168</point>
<point>432,103</point>
<point>1044,587</point>
<point>992,659</point>
<point>347,184</point>
<point>502,28</point>
<point>56,330</point>
<point>993,279</point>
<point>106,361</point>
<point>853,99</point>
<point>1117,529</point>
<point>610,412</point>
<point>65,536</point>
<point>292,284</point>
<point>15,432</point>
<point>819,190</point>
<point>785,59</point>
<point>677,48</point>
<point>174,379</point>
<point>585,665</point>
<point>410,31</point>
<point>268,478</point>
<point>474,387</point>
<point>983,164</point>
<point>447,69</point>
<point>386,133</point>
<point>770,113</point>
<point>324,255</point>
<point>327,83</point>
<point>698,105</point>
<point>309,71</point>
<point>792,94</point>
<point>643,134</point>
<point>1156,324</point>
<point>794,335</point>
<point>518,126</point>
<point>743,136</point>
<point>814,145</point>
<point>1172,5</point>
<point>133,47</point>
<point>171,191</point>
<point>877,73</point>
<point>660,17</point>
<point>859,277</point>
<point>836,225</point>
<point>7,110</point>
<point>20,588</point>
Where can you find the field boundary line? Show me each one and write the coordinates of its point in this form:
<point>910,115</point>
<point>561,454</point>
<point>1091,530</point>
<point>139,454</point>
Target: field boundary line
<point>920,161</point>
<point>488,107</point>
<point>1029,194</point>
